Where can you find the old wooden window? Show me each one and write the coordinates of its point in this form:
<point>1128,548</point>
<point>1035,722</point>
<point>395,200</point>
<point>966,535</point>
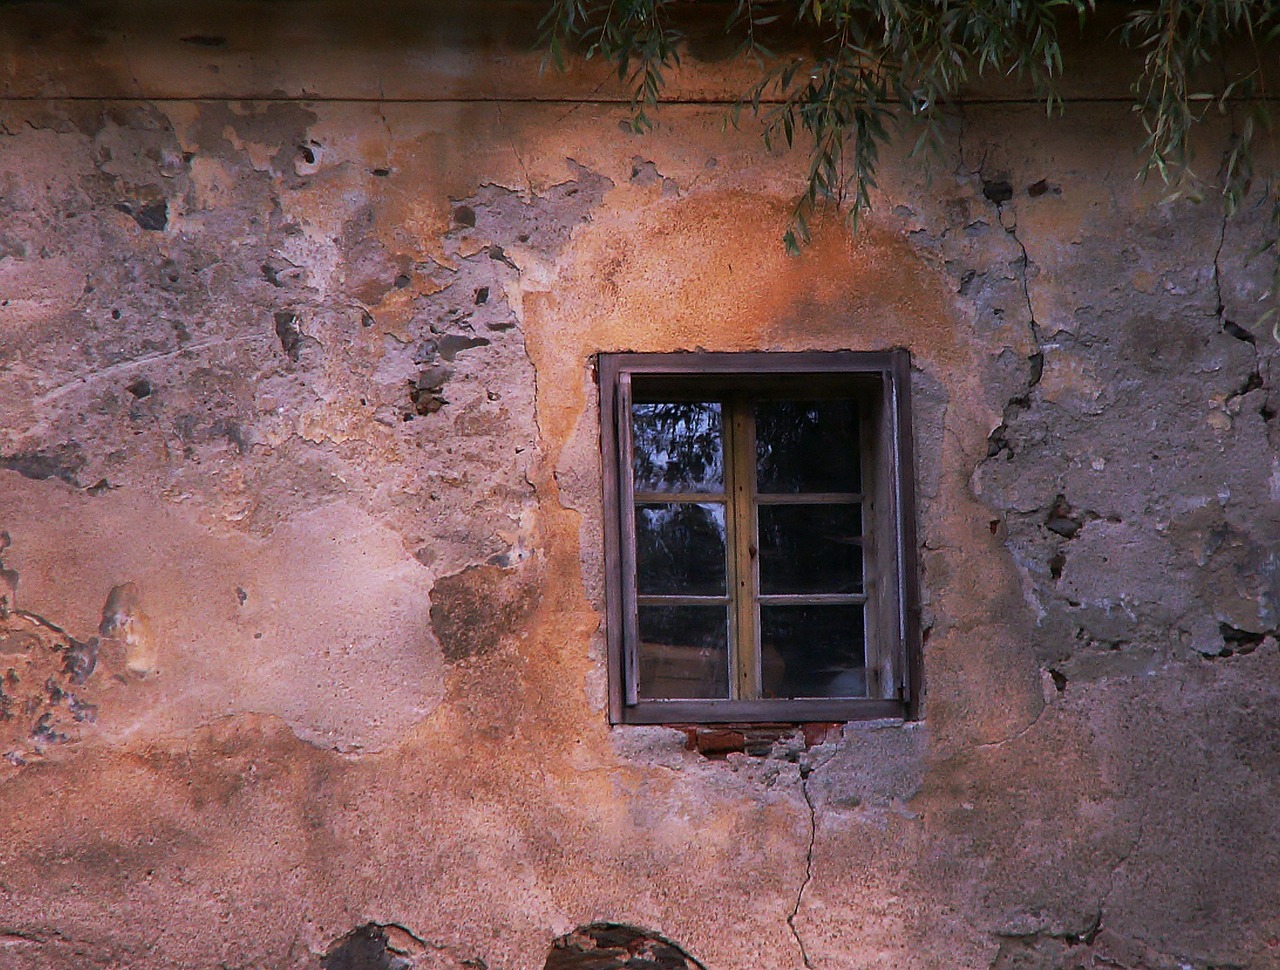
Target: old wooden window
<point>759,533</point>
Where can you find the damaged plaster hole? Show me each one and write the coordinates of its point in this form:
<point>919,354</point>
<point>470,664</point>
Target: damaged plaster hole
<point>426,393</point>
<point>1042,187</point>
<point>153,217</point>
<point>482,296</point>
<point>1061,518</point>
<point>614,946</point>
<point>1239,332</point>
<point>289,334</point>
<point>1237,641</point>
<point>997,191</point>
<point>140,388</point>
<point>310,153</point>
<point>464,215</point>
<point>643,171</point>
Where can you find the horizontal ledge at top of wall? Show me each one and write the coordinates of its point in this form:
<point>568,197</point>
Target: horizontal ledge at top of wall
<point>401,50</point>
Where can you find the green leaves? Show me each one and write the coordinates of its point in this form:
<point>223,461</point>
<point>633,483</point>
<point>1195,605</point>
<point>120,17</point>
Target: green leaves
<point>878,69</point>
<point>633,35</point>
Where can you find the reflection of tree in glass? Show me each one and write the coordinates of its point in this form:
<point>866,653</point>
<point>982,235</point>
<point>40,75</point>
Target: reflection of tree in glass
<point>807,446</point>
<point>680,549</point>
<point>810,548</point>
<point>677,447</point>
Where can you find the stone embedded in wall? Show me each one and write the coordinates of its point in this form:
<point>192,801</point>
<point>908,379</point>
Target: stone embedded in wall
<point>615,946</point>
<point>387,946</point>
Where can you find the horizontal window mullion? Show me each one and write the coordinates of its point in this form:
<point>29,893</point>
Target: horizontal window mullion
<point>713,710</point>
<point>663,599</point>
<point>671,498</point>
<point>811,599</point>
<point>808,498</point>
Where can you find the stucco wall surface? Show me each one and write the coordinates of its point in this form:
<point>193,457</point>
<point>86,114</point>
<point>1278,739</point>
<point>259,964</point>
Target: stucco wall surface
<point>301,555</point>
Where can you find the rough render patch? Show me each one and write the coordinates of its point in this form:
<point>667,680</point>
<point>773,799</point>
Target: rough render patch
<point>473,610</point>
<point>43,702</point>
<point>325,623</point>
<point>261,383</point>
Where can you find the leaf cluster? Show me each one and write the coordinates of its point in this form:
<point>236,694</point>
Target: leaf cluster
<point>880,68</point>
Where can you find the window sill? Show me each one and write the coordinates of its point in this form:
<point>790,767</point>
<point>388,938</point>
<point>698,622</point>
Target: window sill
<point>761,711</point>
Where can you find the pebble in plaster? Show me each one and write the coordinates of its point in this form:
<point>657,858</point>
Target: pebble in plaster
<point>126,626</point>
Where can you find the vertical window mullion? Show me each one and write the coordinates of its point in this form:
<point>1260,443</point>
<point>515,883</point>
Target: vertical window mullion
<point>896,530</point>
<point>878,653</point>
<point>741,454</point>
<point>627,512</point>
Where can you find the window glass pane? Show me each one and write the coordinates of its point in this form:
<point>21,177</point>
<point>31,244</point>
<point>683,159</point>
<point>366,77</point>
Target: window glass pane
<point>680,549</point>
<point>677,447</point>
<point>810,548</point>
<point>683,652</point>
<point>807,446</point>
<point>812,651</point>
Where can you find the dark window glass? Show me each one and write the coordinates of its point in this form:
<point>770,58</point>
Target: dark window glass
<point>678,447</point>
<point>812,651</point>
<point>680,549</point>
<point>807,446</point>
<point>810,549</point>
<point>683,652</point>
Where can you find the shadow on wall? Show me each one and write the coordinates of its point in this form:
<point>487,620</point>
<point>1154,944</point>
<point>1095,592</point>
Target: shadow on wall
<point>596,946</point>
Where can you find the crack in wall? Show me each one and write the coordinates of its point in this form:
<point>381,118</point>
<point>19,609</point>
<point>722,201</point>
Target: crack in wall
<point>1228,326</point>
<point>806,772</point>
<point>382,116</point>
<point>1123,860</point>
<point>808,866</point>
<point>528,183</point>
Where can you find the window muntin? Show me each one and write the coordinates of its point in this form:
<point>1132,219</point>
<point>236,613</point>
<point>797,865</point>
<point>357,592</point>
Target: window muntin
<point>751,576</point>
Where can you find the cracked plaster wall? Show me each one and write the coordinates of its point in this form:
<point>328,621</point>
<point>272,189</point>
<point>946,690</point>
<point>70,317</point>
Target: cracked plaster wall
<point>301,555</point>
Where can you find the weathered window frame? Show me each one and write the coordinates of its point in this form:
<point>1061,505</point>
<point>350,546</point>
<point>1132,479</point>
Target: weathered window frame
<point>879,379</point>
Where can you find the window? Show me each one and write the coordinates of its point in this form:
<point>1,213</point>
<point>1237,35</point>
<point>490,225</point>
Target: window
<point>759,537</point>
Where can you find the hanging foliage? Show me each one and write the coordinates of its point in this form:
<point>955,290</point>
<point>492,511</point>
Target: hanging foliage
<point>880,69</point>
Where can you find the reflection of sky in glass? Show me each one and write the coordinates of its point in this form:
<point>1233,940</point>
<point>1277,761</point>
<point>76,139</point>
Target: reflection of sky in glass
<point>677,447</point>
